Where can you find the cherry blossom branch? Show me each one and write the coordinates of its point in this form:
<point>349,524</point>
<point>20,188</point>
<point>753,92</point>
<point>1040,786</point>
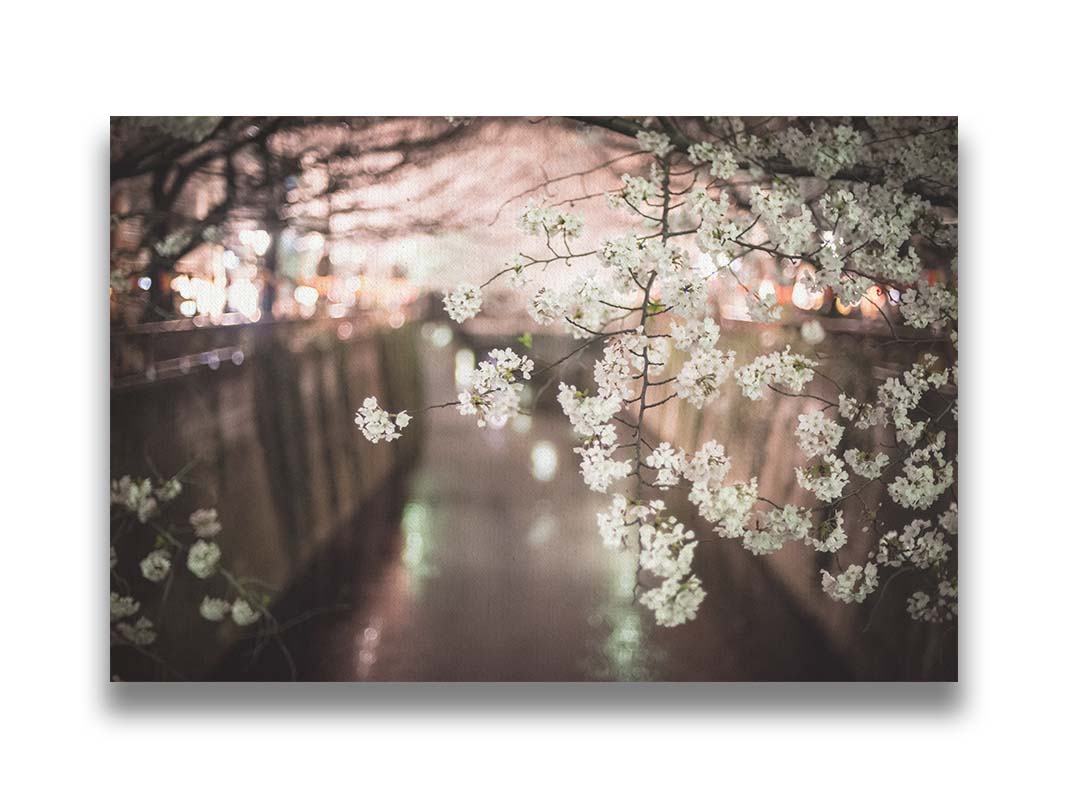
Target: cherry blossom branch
<point>828,403</point>
<point>548,182</point>
<point>660,402</point>
<point>664,230</point>
<point>596,337</point>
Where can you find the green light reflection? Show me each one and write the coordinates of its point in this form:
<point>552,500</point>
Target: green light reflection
<point>621,650</point>
<point>416,524</point>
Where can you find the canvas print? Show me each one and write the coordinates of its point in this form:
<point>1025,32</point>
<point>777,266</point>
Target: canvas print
<point>533,399</point>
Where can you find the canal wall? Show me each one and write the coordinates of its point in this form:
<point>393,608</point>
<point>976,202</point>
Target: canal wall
<point>261,419</point>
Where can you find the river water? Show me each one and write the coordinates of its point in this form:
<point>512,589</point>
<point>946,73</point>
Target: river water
<point>484,564</point>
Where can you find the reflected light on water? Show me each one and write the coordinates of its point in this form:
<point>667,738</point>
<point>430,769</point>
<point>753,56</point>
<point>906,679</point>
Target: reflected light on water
<point>464,372</point>
<point>623,646</point>
<point>544,461</point>
<point>522,423</point>
<point>544,528</point>
<point>415,524</point>
<point>620,650</point>
<point>366,648</point>
<point>442,336</point>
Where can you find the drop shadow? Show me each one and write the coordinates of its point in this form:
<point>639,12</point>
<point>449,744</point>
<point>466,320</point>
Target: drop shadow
<point>538,699</point>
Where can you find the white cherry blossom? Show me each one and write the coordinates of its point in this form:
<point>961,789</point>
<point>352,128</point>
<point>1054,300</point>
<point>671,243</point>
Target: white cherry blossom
<point>377,424</point>
<point>156,565</point>
<point>464,303</point>
<point>203,559</point>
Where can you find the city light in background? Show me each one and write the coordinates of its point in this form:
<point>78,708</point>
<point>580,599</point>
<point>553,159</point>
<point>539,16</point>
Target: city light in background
<point>317,255</point>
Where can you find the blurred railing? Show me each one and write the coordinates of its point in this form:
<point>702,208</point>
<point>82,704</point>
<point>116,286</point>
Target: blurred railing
<point>262,416</point>
<point>160,351</point>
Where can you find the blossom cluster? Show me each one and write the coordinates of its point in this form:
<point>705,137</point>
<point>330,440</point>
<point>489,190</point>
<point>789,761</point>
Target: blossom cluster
<point>866,465</point>
<point>853,585</point>
<point>817,434</point>
<point>830,535</point>
<point>786,195</point>
<point>539,219</point>
<point>376,424</point>
<point>141,496</point>
<point>667,552</point>
<point>781,368</point>
<point>464,303</point>
<point>580,304</point>
<point>944,608</point>
<point>494,393</point>
<point>614,522</point>
<point>719,160</point>
<point>928,304</point>
<point>826,149</point>
<point>918,543</point>
<point>776,527</point>
<point>925,475</point>
<point>785,217</point>
<point>817,438</point>
<point>718,234</point>
<point>599,467</point>
<point>195,542</point>
<point>588,413</point>
<point>635,193</point>
<point>702,376</point>
<point>826,479</point>
<point>655,142</point>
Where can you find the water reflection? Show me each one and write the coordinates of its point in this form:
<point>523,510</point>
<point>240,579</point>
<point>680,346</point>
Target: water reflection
<point>543,461</point>
<point>438,335</point>
<point>498,573</point>
<point>543,530</point>
<point>463,374</point>
<point>366,649</point>
<point>415,526</point>
<point>620,650</point>
<point>492,569</point>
